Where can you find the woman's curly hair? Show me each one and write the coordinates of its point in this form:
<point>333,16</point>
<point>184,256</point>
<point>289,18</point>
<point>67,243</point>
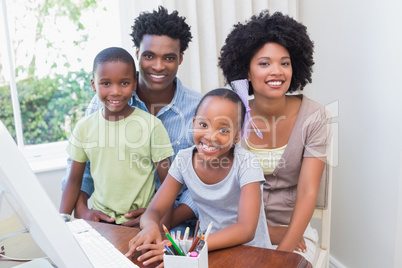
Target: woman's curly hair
<point>161,23</point>
<point>246,39</point>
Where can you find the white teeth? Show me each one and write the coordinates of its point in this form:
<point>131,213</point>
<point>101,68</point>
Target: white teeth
<point>275,83</point>
<point>157,76</point>
<point>114,101</point>
<point>209,148</point>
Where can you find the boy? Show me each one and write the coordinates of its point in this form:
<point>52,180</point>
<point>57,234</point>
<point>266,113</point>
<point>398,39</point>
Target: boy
<point>125,145</point>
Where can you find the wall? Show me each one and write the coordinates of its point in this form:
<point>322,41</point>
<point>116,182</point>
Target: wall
<point>358,56</point>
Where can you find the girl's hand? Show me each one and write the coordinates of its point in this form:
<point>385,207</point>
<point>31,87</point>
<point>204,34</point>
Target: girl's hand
<point>154,253</point>
<point>148,235</point>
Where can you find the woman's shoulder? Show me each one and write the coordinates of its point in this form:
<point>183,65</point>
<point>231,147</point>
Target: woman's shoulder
<point>310,104</point>
<point>312,113</point>
<point>311,107</point>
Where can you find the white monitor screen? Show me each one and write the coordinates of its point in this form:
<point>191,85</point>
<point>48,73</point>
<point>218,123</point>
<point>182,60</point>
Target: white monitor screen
<point>20,187</point>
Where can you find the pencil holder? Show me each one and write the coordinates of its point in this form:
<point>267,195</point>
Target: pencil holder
<point>174,261</point>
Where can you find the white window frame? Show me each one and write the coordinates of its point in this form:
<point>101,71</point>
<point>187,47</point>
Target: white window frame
<point>41,157</point>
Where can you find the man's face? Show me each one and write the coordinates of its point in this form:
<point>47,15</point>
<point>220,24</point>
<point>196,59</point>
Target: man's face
<point>159,58</point>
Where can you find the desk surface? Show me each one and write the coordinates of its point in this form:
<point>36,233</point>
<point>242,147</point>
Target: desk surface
<point>240,256</point>
<point>119,236</point>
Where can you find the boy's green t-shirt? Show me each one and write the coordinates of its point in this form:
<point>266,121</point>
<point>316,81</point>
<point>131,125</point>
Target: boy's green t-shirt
<point>122,155</point>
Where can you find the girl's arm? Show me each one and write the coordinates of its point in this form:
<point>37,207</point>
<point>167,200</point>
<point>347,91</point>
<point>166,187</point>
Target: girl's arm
<point>73,186</point>
<point>306,196</point>
<point>243,230</point>
<point>162,201</point>
<point>177,215</point>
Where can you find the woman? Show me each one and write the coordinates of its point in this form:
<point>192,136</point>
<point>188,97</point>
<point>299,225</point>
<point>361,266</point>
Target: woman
<point>269,57</point>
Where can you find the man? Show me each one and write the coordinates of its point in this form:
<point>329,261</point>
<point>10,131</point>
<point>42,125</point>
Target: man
<point>160,39</point>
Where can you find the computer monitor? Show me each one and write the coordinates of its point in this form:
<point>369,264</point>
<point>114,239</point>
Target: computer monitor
<point>20,186</point>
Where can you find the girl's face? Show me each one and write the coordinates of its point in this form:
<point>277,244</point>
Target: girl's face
<point>114,83</point>
<point>271,71</point>
<point>215,127</point>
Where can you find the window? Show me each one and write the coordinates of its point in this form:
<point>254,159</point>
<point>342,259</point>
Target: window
<point>47,49</point>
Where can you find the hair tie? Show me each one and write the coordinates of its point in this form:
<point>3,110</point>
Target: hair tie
<point>241,89</point>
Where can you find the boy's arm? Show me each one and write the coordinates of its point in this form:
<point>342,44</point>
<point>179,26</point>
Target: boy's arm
<point>243,230</point>
<point>87,187</point>
<point>72,188</point>
<point>87,181</point>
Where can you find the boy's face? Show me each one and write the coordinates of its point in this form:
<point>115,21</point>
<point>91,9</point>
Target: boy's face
<point>159,58</point>
<point>114,83</point>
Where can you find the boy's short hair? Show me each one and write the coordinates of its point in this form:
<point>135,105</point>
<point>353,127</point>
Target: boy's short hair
<point>113,54</point>
<point>161,23</point>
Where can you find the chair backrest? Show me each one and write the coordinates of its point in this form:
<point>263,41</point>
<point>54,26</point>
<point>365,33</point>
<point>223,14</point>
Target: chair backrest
<point>322,198</point>
<point>323,212</point>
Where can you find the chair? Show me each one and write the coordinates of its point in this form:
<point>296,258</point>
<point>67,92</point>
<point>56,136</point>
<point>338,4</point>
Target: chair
<point>323,212</point>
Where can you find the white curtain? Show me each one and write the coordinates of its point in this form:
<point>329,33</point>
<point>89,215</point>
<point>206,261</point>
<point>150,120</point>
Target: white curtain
<point>210,21</point>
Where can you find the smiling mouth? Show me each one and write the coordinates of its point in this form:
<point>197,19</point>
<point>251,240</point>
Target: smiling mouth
<point>160,76</point>
<point>115,102</point>
<point>208,148</point>
<point>275,83</point>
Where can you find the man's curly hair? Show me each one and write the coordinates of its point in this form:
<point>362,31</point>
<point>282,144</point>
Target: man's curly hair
<point>246,39</point>
<point>161,23</point>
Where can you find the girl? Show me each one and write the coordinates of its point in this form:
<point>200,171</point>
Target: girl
<point>224,179</point>
<point>272,55</point>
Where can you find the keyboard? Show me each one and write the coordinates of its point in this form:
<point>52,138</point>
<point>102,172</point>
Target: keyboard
<point>100,252</point>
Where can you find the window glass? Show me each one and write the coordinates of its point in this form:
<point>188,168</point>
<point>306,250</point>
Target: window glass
<point>53,45</point>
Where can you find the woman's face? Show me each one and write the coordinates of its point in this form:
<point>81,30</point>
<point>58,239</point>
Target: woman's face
<point>271,71</point>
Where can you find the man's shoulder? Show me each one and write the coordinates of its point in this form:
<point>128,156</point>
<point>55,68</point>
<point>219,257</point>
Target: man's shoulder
<point>192,93</point>
<point>188,93</point>
<point>94,105</point>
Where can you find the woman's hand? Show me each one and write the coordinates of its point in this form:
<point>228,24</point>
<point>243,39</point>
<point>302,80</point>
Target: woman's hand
<point>276,234</point>
<point>154,253</point>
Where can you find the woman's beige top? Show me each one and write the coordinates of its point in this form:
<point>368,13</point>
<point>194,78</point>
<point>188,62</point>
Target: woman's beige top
<point>269,158</point>
<point>309,138</point>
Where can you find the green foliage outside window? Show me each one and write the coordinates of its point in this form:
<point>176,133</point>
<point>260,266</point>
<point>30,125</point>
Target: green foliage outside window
<point>50,107</point>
